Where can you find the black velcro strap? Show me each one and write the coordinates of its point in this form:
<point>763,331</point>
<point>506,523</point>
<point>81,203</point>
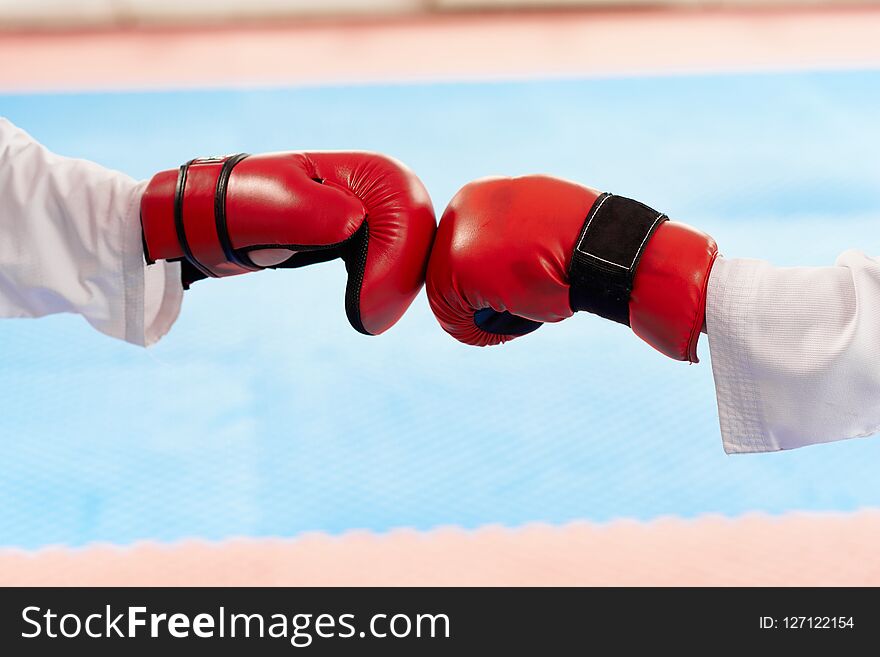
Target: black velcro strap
<point>607,253</point>
<point>242,260</point>
<point>178,220</point>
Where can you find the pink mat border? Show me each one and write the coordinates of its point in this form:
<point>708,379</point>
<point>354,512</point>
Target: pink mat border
<point>805,549</point>
<point>458,47</point>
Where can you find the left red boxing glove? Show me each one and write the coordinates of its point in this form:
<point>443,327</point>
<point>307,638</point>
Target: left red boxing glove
<point>368,209</point>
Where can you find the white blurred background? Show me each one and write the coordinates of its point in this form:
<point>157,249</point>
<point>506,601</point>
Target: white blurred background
<point>22,14</point>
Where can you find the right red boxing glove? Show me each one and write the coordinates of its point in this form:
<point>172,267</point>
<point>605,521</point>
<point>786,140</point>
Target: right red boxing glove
<point>511,253</point>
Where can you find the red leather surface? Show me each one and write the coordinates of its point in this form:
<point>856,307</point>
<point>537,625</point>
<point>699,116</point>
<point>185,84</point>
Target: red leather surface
<point>668,300</point>
<point>274,199</point>
<point>506,244</point>
<point>157,217</point>
<point>401,224</point>
<point>306,200</point>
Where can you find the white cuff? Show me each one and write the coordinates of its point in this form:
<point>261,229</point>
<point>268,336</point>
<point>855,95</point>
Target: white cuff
<point>795,352</point>
<point>153,293</point>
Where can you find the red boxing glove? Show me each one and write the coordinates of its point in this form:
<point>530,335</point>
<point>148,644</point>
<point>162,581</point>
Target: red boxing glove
<point>511,253</point>
<point>365,208</point>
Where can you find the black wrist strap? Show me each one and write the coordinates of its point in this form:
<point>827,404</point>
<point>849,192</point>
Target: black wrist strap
<point>242,260</point>
<point>196,270</point>
<point>606,255</point>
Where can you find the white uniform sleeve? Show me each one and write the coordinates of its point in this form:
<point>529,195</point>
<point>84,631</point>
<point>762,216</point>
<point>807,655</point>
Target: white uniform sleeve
<point>70,242</point>
<point>795,352</point>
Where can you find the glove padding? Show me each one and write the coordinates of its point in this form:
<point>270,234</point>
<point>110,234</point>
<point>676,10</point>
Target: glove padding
<point>368,209</point>
<point>504,261</point>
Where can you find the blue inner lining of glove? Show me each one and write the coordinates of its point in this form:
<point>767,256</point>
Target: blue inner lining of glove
<point>504,323</point>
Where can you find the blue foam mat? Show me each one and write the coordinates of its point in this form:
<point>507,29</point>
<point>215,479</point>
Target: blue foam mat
<point>263,413</point>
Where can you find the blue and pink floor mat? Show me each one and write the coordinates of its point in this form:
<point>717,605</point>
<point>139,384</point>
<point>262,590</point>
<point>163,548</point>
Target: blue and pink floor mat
<point>263,415</point>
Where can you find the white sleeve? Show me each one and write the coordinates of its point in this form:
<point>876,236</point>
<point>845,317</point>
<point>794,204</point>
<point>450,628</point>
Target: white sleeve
<point>70,242</point>
<point>795,352</point>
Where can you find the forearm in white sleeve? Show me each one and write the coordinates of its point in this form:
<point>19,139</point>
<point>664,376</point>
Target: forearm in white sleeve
<point>70,242</point>
<point>795,352</point>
